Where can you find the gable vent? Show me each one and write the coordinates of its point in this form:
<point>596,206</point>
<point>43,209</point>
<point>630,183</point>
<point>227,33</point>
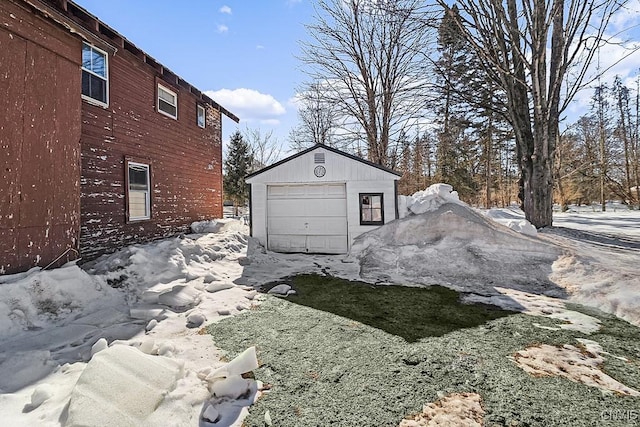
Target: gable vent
<point>318,158</point>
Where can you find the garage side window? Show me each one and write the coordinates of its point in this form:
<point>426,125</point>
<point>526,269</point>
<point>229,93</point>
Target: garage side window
<point>139,191</point>
<point>371,212</point>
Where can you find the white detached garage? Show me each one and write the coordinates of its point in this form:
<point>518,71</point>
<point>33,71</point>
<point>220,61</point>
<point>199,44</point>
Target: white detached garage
<point>319,200</point>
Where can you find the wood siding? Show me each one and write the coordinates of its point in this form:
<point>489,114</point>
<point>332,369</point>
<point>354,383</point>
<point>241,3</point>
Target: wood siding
<point>39,140</point>
<point>185,160</point>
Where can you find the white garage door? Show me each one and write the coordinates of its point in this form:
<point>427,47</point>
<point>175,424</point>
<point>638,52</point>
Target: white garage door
<point>307,218</point>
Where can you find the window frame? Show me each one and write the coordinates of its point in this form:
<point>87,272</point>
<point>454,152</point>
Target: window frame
<point>130,163</point>
<point>362,220</point>
<point>88,98</point>
<point>200,108</point>
<point>171,92</point>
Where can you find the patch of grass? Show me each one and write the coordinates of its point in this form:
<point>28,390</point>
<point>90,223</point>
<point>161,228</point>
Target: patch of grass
<point>409,312</point>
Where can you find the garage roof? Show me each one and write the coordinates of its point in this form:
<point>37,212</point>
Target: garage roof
<point>326,147</point>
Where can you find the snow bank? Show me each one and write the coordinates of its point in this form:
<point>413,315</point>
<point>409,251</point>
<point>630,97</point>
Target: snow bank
<point>567,361</point>
<point>141,266</point>
<point>515,220</point>
<point>41,298</point>
<point>600,266</point>
<point>148,301</point>
<point>211,226</point>
<point>121,386</point>
<point>456,409</point>
<point>455,246</point>
<point>428,200</point>
<point>539,305</point>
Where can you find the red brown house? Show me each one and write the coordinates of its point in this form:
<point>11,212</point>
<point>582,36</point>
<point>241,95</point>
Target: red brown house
<point>101,146</point>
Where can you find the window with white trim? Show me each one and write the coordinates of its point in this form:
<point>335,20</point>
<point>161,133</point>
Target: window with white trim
<point>139,191</point>
<point>167,102</point>
<point>202,120</point>
<point>95,72</point>
<point>371,209</point>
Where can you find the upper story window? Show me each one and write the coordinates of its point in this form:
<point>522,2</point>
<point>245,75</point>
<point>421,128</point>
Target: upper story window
<point>202,121</point>
<point>95,72</point>
<point>167,102</point>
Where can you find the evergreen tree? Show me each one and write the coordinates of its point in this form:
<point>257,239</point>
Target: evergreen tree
<point>237,165</point>
<point>451,109</point>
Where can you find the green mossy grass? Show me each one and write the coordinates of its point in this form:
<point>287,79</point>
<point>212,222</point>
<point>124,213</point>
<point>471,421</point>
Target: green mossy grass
<point>408,312</point>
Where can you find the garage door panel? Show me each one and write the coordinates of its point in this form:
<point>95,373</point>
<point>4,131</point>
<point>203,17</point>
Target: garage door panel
<point>286,208</point>
<point>326,226</point>
<point>283,225</point>
<point>327,244</point>
<point>288,243</point>
<point>326,208</point>
<point>337,191</point>
<point>307,218</point>
<point>308,208</point>
<point>304,226</point>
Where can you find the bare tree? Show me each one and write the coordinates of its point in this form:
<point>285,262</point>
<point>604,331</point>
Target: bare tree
<point>316,117</point>
<point>264,149</point>
<point>370,63</point>
<point>538,52</point>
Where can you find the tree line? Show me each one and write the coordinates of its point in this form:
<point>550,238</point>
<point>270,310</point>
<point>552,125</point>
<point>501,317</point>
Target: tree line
<point>481,108</point>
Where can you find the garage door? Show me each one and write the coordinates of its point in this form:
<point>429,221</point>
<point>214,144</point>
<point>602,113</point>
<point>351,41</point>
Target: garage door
<point>307,218</point>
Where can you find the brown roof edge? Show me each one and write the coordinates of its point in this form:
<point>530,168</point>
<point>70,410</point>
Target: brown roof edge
<point>97,29</point>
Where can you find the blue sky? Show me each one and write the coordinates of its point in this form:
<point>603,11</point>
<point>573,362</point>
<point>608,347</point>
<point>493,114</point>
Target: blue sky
<point>241,52</point>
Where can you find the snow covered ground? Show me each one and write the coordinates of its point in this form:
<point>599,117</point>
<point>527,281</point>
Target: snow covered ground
<point>156,298</point>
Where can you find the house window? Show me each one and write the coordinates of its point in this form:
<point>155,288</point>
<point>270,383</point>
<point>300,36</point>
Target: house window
<point>94,75</point>
<point>202,121</point>
<point>371,209</point>
<point>167,102</point>
<point>139,191</point>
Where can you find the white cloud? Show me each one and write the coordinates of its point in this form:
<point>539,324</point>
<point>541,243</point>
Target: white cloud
<point>249,104</point>
<point>225,9</point>
<point>222,29</point>
<point>259,47</point>
<point>627,17</point>
<point>616,59</point>
<point>270,122</point>
<point>293,2</point>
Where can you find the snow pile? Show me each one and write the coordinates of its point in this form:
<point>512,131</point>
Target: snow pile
<point>185,257</point>
<point>515,220</point>
<point>40,298</point>
<point>121,386</point>
<point>571,362</point>
<point>600,266</point>
<point>211,226</point>
<point>456,409</point>
<point>150,300</point>
<point>231,392</point>
<point>282,290</point>
<point>456,247</point>
<point>539,305</point>
<point>428,200</point>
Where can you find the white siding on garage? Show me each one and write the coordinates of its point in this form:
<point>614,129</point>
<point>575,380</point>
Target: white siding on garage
<point>339,169</point>
<point>293,210</point>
